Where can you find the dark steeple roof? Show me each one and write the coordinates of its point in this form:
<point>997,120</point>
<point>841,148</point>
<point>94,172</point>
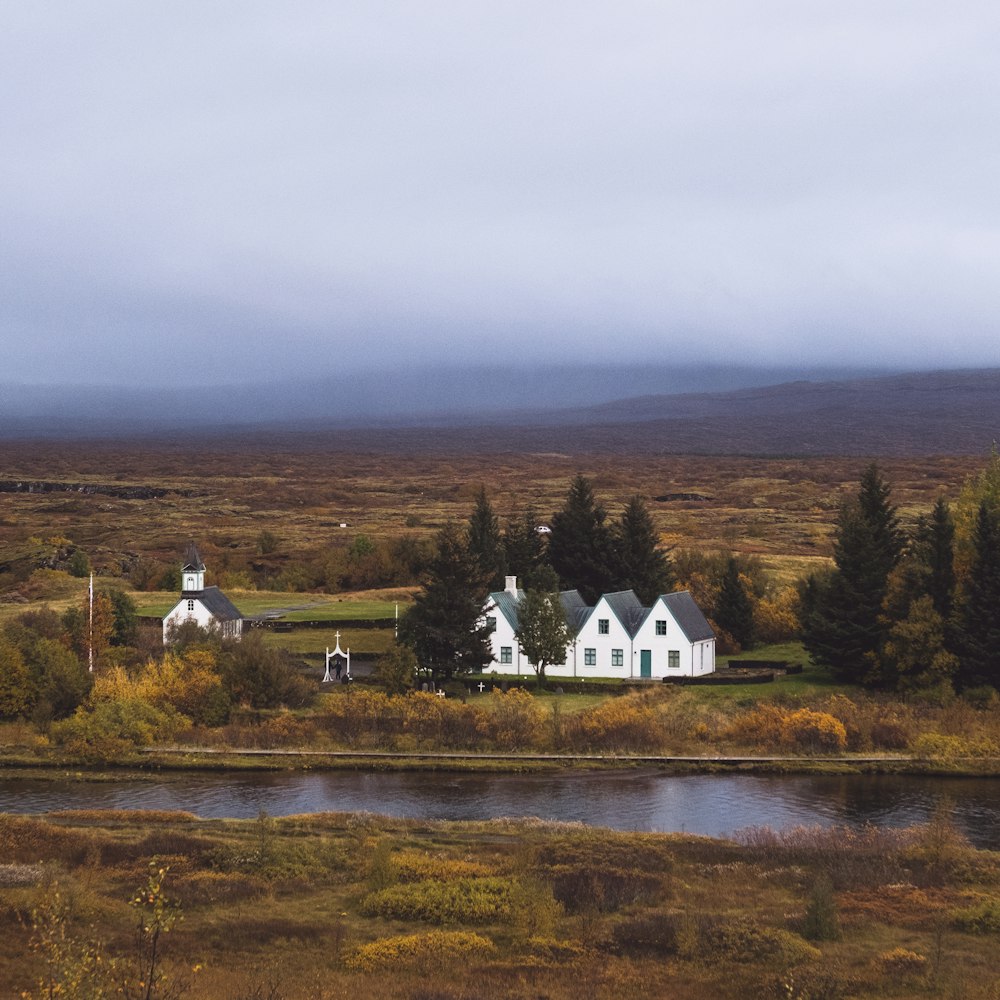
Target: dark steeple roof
<point>192,561</point>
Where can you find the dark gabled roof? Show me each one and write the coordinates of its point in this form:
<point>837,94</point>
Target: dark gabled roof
<point>192,560</point>
<point>688,615</point>
<point>507,603</point>
<point>221,607</point>
<point>574,607</point>
<point>628,609</point>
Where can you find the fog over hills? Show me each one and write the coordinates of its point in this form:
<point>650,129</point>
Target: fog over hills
<point>950,412</point>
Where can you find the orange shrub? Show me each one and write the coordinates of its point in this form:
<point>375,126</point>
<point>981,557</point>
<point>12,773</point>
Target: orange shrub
<point>815,731</point>
<point>514,720</point>
<point>622,724</point>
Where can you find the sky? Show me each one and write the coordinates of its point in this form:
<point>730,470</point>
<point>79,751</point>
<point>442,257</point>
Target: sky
<point>200,191</point>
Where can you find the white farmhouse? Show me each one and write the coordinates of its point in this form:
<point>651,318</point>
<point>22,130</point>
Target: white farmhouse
<point>617,637</point>
<point>208,607</point>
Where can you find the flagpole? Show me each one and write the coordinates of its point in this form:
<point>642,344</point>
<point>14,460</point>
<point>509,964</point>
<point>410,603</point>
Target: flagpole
<point>90,637</point>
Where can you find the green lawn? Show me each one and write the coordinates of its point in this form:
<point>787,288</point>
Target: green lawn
<point>304,641</point>
<point>309,607</point>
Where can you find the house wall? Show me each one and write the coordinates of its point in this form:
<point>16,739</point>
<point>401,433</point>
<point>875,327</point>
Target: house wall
<point>202,616</point>
<point>694,659</point>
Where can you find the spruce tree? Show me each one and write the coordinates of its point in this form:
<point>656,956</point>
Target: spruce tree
<point>641,565</point>
<point>445,625</point>
<point>843,626</point>
<point>935,546</point>
<point>978,625</point>
<point>485,542</point>
<point>580,548</point>
<point>734,608</point>
<point>524,548</point>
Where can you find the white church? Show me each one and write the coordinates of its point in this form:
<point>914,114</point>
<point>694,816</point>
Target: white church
<point>208,607</point>
<point>617,637</point>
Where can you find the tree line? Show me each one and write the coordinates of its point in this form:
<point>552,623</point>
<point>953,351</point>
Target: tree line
<point>918,611</point>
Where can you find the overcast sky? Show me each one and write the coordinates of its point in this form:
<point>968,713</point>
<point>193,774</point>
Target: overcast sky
<point>206,191</point>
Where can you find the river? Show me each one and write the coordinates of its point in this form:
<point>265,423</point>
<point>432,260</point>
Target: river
<point>714,805</point>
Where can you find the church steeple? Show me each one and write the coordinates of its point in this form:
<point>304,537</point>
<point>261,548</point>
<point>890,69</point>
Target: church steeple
<point>192,572</point>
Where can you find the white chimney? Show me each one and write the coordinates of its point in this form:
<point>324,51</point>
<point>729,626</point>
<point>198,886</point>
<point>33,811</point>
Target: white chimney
<point>510,584</point>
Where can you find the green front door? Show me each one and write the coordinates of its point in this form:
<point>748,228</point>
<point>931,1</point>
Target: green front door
<point>645,663</point>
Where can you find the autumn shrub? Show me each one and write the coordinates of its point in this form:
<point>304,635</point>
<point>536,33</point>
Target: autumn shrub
<point>604,872</point>
<point>980,918</point>
<point>851,856</point>
<point>462,725</point>
<point>743,939</point>
<point>649,932</point>
<point>626,724</point>
<point>110,729</point>
<point>281,730</point>
<point>361,716</point>
<point>514,719</point>
<point>817,732</point>
<point>946,747</point>
<point>760,726</point>
<point>901,963</point>
<point>25,840</point>
<point>431,949</point>
<point>414,866</point>
<point>465,900</point>
<point>776,619</point>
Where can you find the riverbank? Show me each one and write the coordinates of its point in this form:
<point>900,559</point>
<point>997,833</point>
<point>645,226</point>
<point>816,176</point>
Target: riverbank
<point>212,759</point>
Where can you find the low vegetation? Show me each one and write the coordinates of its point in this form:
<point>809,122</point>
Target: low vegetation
<point>324,906</point>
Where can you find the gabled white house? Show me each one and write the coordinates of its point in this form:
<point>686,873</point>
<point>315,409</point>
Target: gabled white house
<point>617,637</point>
<point>208,607</point>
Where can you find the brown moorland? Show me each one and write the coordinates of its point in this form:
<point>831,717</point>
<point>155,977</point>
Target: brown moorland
<point>225,494</point>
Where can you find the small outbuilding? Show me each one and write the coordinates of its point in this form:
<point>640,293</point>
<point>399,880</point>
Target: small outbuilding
<point>208,607</point>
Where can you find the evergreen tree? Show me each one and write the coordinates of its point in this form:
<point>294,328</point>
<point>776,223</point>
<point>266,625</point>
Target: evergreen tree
<point>641,565</point>
<point>580,548</point>
<point>880,515</point>
<point>542,630</point>
<point>445,626</point>
<point>734,608</point>
<point>935,548</point>
<point>524,548</point>
<point>978,626</point>
<point>843,626</point>
<point>485,542</point>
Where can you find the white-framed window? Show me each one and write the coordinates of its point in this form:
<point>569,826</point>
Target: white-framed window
<point>603,626</point>
<point>661,626</point>
<point>590,657</point>
<point>617,658</point>
<point>505,654</point>
<point>674,659</point>
<point>491,623</point>
<point>190,605</point>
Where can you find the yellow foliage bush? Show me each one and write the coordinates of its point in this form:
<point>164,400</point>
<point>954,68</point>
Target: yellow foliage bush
<point>433,948</point>
<point>817,731</point>
<point>901,963</point>
<point>941,746</point>
<point>415,866</point>
<point>624,724</point>
<point>761,726</point>
<point>514,719</point>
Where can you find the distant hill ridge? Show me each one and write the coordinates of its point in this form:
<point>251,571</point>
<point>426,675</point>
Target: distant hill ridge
<point>927,413</point>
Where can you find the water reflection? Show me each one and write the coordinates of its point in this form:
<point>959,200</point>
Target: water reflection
<point>714,805</point>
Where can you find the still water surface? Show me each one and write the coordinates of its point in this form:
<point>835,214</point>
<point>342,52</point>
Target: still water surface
<point>714,805</point>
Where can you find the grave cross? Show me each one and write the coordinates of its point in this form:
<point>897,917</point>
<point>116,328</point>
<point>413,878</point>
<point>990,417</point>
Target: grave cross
<point>481,687</point>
